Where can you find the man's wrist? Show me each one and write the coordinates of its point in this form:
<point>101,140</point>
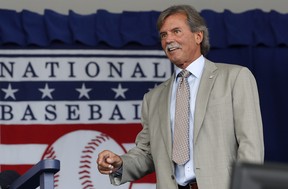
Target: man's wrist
<point>118,172</point>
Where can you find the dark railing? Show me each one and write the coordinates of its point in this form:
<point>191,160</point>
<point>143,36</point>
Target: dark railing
<point>41,174</point>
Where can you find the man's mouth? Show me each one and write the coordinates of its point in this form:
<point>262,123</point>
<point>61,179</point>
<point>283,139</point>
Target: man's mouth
<point>171,47</point>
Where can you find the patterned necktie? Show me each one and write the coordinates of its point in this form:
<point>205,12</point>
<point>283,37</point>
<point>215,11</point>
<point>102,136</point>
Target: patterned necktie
<point>181,128</point>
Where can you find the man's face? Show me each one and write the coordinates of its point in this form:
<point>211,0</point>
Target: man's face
<point>180,45</point>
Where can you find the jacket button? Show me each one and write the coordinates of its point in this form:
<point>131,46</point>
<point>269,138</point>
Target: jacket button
<point>172,177</point>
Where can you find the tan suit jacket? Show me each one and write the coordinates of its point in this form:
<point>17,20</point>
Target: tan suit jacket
<point>227,128</point>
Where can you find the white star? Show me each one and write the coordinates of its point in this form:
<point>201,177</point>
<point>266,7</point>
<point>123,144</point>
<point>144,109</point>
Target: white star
<point>83,91</point>
<point>46,91</point>
<point>9,92</point>
<point>119,91</point>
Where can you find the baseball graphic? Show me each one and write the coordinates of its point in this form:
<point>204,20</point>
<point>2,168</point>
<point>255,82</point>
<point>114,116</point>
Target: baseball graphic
<point>78,152</point>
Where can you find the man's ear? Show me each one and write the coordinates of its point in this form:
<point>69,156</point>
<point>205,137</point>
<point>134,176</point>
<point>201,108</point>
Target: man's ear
<point>198,37</point>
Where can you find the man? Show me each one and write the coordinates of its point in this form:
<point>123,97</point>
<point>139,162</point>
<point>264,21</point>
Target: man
<point>224,115</point>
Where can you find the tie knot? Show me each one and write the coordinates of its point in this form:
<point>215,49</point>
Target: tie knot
<point>184,73</point>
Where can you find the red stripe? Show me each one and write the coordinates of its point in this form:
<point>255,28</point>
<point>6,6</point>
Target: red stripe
<point>151,178</point>
<point>47,134</point>
<point>21,169</point>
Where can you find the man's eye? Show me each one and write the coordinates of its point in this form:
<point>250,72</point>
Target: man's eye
<point>163,35</point>
<point>177,31</point>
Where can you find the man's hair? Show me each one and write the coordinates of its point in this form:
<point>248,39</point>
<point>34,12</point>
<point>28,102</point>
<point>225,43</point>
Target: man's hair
<point>194,21</point>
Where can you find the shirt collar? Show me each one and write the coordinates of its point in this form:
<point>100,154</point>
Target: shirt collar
<point>195,68</point>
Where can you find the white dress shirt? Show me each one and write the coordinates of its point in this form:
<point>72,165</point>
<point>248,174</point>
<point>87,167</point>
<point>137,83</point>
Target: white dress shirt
<point>185,173</point>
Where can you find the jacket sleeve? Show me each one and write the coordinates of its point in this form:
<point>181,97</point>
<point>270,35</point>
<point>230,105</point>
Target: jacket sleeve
<point>247,118</point>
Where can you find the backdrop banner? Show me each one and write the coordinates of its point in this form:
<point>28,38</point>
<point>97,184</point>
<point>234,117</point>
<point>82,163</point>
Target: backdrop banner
<point>72,104</point>
<point>47,92</point>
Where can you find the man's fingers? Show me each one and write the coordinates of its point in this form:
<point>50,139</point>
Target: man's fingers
<point>104,169</point>
<point>105,162</point>
<point>110,160</point>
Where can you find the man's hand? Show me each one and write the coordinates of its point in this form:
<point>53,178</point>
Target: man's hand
<point>108,162</point>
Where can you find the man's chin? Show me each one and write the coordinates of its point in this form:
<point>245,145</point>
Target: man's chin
<point>177,63</point>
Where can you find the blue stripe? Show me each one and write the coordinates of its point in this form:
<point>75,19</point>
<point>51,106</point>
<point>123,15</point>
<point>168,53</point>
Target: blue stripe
<point>66,90</point>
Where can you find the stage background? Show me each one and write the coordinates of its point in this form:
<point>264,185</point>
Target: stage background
<point>254,38</point>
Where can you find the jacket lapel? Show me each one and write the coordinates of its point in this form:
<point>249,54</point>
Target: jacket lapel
<point>208,77</point>
<point>164,112</point>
